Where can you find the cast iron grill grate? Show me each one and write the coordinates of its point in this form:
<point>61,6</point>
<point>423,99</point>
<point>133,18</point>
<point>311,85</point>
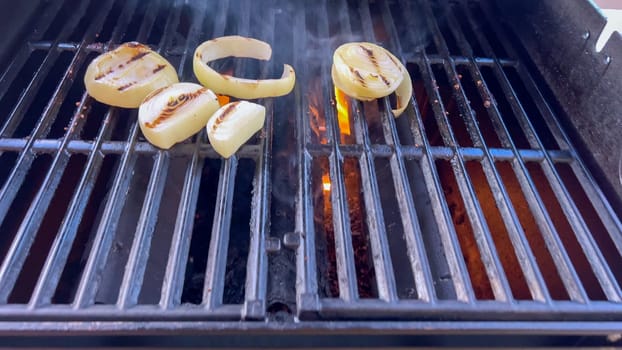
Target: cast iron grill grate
<point>472,206</point>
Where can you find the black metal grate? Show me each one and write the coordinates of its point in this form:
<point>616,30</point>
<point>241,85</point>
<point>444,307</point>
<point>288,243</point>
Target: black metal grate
<point>470,186</point>
<point>472,206</point>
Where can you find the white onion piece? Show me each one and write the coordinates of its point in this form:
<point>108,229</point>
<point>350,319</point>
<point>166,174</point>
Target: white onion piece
<point>238,46</point>
<point>124,76</point>
<point>176,112</point>
<point>366,71</point>
<point>403,94</point>
<point>234,124</point>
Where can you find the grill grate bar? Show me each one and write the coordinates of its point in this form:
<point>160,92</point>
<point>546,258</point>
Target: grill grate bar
<point>597,198</point>
<point>27,98</point>
<point>438,59</point>
<point>217,258</point>
<point>65,46</point>
<point>451,246</point>
<point>25,236</point>
<point>257,269</point>
<point>364,309</point>
<point>498,280</point>
<point>592,252</point>
<point>26,233</point>
<point>524,254</point>
<point>178,51</point>
<point>180,244</point>
<point>412,228</point>
<point>601,205</point>
<point>489,256</point>
<point>139,253</point>
<point>87,287</point>
<point>42,146</point>
<point>10,73</point>
<point>178,255</point>
<point>257,273</point>
<point>16,178</point>
<point>213,288</point>
<point>420,266</point>
<point>480,310</point>
<point>562,261</point>
<point>346,269</point>
<point>306,262</point>
<point>119,29</point>
<point>383,266</point>
<point>59,251</point>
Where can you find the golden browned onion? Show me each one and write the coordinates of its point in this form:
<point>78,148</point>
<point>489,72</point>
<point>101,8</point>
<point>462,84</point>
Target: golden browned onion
<point>124,76</point>
<point>176,112</point>
<point>366,71</point>
<point>233,124</point>
<point>238,46</point>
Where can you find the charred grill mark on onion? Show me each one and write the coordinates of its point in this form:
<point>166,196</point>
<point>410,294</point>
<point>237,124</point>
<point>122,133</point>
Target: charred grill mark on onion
<point>374,61</point>
<point>358,76</point>
<point>158,68</point>
<point>103,74</point>
<point>221,118</point>
<point>372,58</point>
<point>369,52</point>
<point>385,80</point>
<point>126,86</point>
<point>154,93</point>
<point>136,57</point>
<point>173,105</point>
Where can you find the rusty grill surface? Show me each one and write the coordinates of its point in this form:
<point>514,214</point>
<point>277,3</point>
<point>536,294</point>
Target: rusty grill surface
<point>472,207</point>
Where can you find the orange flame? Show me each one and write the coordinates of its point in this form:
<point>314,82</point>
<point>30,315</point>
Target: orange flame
<point>343,112</point>
<point>317,120</point>
<point>223,99</point>
<point>326,182</point>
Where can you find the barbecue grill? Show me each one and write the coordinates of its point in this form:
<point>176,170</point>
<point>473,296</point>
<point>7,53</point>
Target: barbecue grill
<point>490,207</point>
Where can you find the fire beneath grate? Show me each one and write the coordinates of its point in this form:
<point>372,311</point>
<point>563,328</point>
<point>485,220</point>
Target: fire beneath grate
<point>473,205</point>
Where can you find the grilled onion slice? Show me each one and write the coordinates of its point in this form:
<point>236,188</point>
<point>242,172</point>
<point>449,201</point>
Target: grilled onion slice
<point>124,76</point>
<point>238,46</point>
<point>172,114</point>
<point>366,71</point>
<point>233,124</point>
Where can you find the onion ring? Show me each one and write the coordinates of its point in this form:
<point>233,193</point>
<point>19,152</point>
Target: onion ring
<point>238,46</point>
<point>366,71</point>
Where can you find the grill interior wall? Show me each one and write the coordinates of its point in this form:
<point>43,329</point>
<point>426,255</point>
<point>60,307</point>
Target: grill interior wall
<point>470,202</point>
